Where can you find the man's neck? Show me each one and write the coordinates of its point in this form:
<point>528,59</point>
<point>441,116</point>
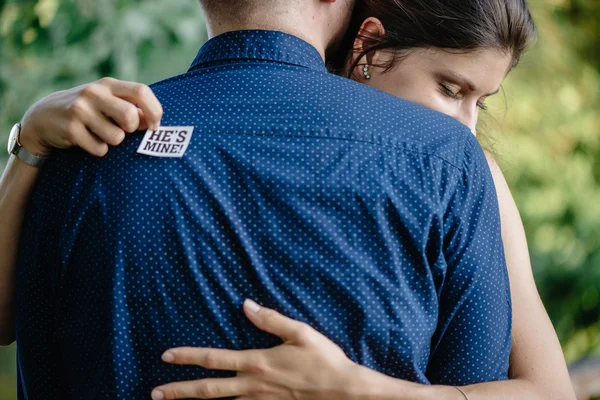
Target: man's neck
<point>217,27</point>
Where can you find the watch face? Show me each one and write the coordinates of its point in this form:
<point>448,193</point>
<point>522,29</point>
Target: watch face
<point>12,139</point>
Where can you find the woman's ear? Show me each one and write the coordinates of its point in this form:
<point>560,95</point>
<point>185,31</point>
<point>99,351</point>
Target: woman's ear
<point>370,33</point>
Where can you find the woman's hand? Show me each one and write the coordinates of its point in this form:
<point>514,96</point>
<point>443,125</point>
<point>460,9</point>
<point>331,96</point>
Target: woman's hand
<point>307,366</point>
<point>91,116</point>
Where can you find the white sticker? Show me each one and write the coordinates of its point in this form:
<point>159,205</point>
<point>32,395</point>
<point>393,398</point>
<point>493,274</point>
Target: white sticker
<point>167,141</point>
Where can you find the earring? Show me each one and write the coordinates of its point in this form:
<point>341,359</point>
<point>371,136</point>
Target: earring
<point>366,71</point>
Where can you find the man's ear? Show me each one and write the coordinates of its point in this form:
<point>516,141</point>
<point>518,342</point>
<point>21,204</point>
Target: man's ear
<point>371,31</point>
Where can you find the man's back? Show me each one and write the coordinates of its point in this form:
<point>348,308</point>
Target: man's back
<point>370,218</point>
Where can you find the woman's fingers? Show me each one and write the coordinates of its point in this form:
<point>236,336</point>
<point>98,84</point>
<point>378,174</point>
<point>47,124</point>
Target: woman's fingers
<point>126,115</point>
<point>144,126</point>
<point>203,389</point>
<point>139,94</point>
<point>91,130</point>
<point>275,323</point>
<point>89,115</point>
<point>102,99</point>
<point>79,135</point>
<point>133,106</point>
<point>217,359</point>
<point>104,129</point>
<point>106,109</point>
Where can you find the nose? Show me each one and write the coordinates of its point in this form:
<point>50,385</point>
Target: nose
<point>469,115</point>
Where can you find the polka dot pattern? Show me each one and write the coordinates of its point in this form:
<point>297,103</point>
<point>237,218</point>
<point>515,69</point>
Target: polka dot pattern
<point>371,218</point>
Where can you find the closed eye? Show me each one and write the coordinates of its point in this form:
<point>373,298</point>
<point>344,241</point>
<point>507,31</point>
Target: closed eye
<point>448,92</point>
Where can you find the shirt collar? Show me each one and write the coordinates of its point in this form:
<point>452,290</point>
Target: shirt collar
<point>259,45</point>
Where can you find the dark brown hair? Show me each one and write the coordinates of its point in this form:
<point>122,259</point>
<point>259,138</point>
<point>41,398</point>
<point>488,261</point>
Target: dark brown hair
<point>454,25</point>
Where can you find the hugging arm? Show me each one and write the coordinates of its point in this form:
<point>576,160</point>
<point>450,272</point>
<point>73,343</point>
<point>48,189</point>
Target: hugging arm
<point>92,117</point>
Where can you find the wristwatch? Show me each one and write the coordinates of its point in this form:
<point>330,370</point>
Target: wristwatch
<point>14,147</point>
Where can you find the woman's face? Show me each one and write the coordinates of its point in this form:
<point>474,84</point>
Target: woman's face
<point>456,84</point>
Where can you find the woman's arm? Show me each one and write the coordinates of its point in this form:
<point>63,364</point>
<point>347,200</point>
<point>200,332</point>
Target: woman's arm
<point>92,117</point>
<point>308,366</point>
<point>537,365</point>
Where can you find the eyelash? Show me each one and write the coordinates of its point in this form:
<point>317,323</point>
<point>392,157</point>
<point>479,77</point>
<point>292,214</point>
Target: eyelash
<point>448,92</point>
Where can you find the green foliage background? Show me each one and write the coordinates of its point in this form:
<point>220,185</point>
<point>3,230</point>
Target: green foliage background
<point>545,129</point>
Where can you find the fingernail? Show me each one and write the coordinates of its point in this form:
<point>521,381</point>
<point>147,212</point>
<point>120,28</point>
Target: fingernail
<point>168,357</point>
<point>252,306</point>
<point>157,126</point>
<point>157,395</point>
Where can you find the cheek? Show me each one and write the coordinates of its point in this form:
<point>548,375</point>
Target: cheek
<point>436,101</point>
<point>400,86</point>
<point>413,88</point>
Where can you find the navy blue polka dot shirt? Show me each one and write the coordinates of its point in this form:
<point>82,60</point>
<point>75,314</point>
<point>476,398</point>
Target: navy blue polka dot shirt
<point>372,219</point>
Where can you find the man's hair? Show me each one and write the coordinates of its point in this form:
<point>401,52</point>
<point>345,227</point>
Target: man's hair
<point>237,7</point>
<point>219,5</point>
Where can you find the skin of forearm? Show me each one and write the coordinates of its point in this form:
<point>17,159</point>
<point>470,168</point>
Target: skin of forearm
<point>514,389</point>
<point>16,186</point>
<point>536,359</point>
<point>371,385</point>
<point>367,384</point>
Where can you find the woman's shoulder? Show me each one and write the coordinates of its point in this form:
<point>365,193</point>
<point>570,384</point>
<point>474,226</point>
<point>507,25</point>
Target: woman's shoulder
<point>508,208</point>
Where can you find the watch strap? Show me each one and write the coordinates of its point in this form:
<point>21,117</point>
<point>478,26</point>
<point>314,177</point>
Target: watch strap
<point>30,159</point>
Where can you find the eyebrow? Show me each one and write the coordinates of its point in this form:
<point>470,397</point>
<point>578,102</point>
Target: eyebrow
<point>464,80</point>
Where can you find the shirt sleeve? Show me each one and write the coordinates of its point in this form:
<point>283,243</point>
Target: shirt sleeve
<point>473,337</point>
<point>58,334</point>
<point>39,361</point>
